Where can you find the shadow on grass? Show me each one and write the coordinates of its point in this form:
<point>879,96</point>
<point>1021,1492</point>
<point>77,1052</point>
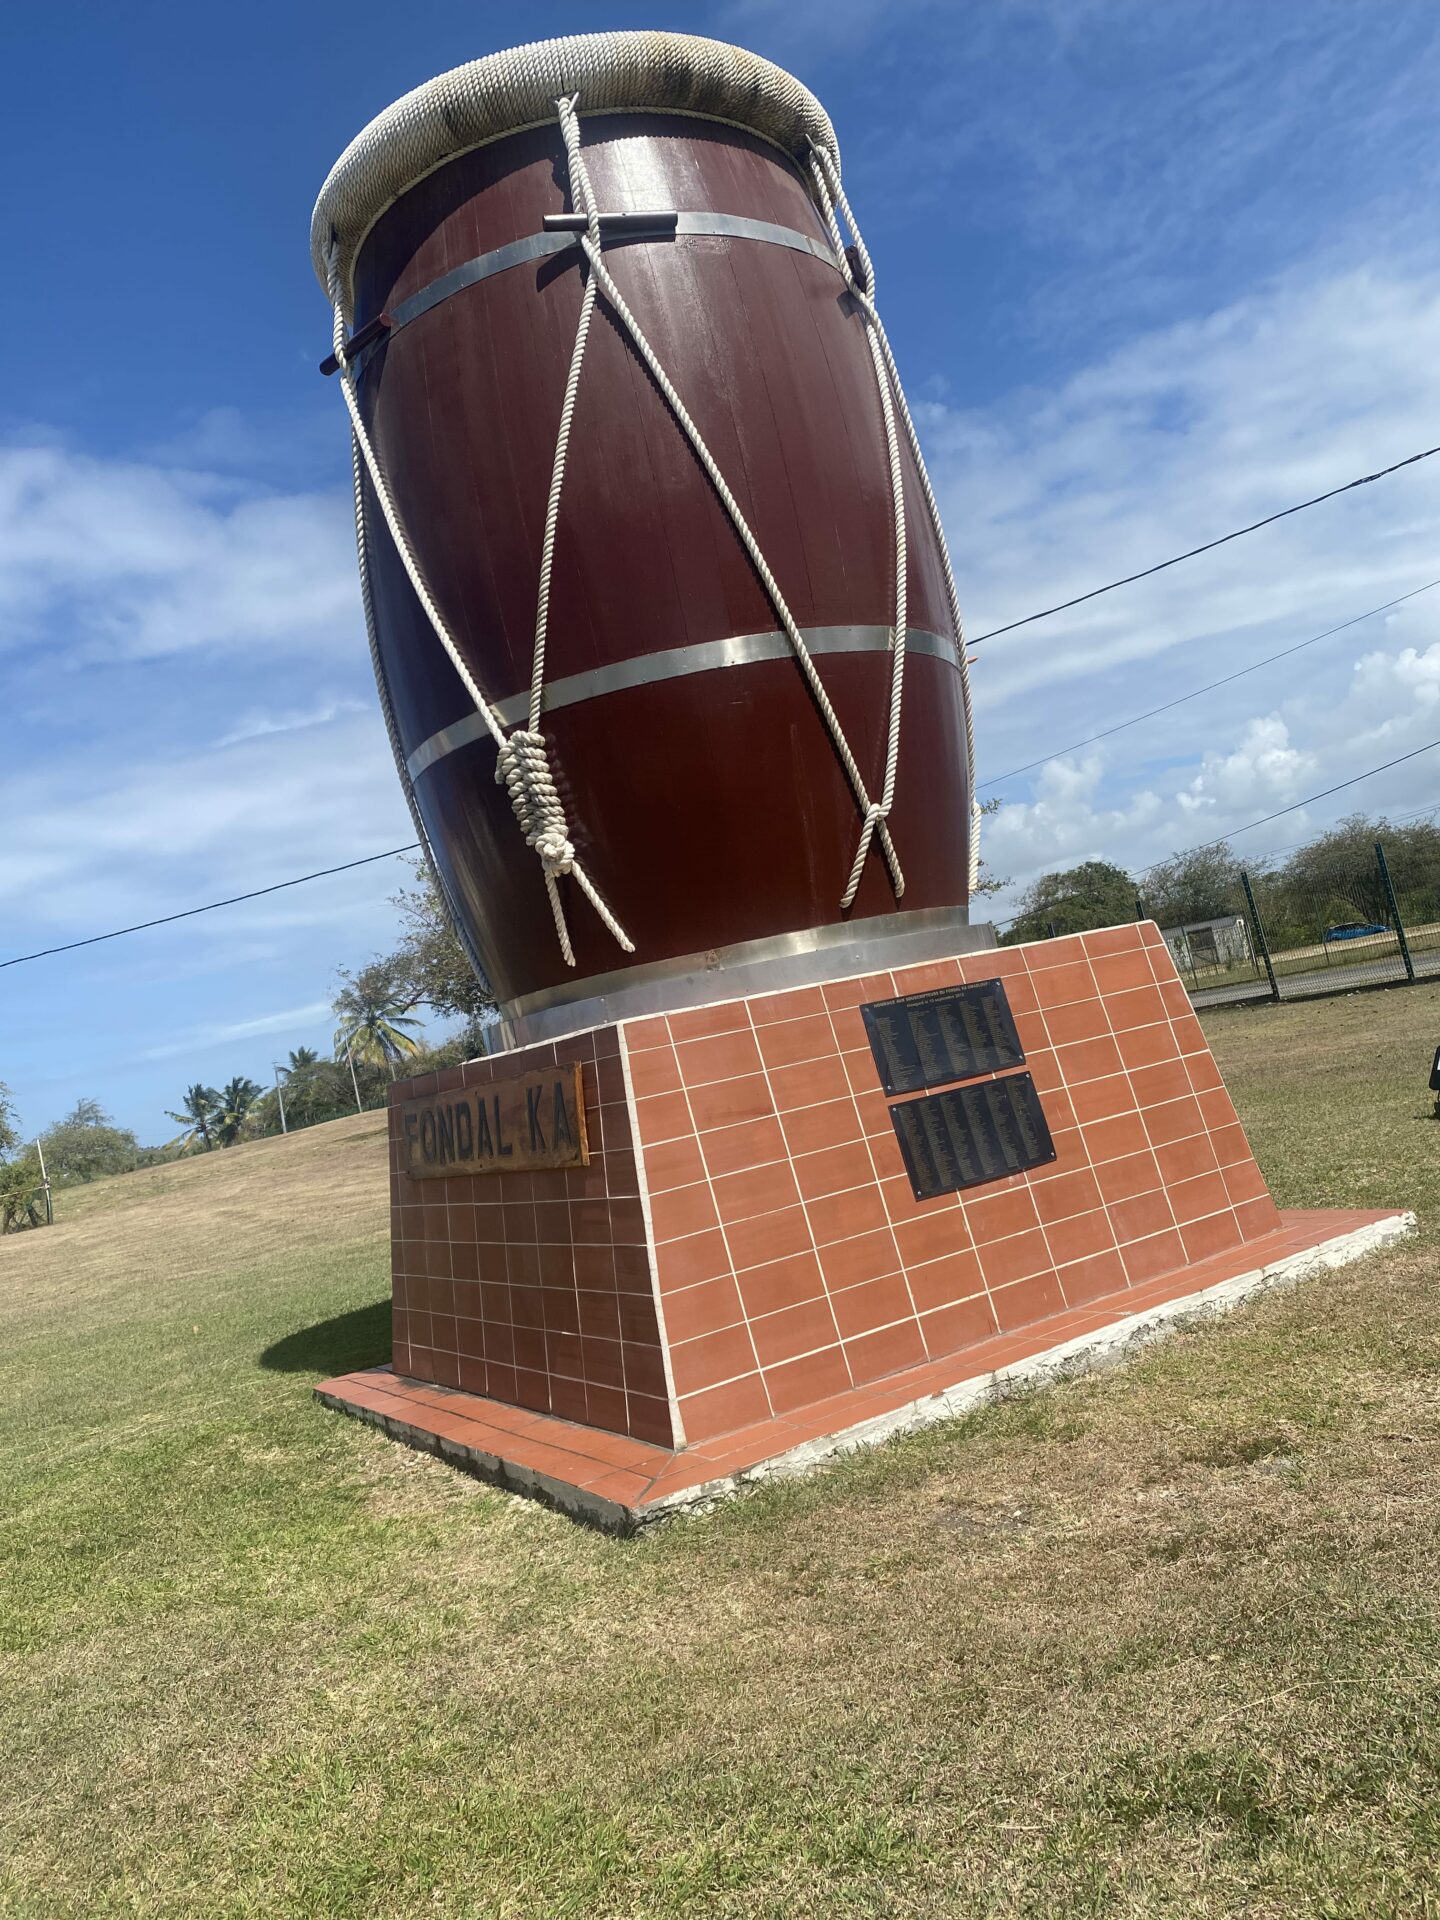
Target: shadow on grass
<point>360,1338</point>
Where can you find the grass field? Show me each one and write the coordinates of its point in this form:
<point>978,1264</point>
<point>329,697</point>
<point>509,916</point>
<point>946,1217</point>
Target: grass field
<point>1159,1643</point>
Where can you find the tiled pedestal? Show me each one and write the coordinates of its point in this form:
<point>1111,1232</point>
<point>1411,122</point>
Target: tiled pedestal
<point>743,1267</point>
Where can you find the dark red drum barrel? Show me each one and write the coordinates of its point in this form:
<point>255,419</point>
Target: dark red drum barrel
<point>703,791</point>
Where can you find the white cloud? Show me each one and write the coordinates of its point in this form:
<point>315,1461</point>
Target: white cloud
<point>1263,771</point>
<point>223,1033</point>
<point>257,722</point>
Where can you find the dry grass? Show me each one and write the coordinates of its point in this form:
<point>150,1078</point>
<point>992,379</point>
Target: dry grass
<point>1158,1644</point>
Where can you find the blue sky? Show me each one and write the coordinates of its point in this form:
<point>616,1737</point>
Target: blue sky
<point>1150,272</point>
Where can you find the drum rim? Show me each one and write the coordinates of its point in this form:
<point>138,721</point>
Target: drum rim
<point>507,92</point>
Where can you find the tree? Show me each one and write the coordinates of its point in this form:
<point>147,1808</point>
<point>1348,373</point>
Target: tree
<point>22,1195</point>
<point>436,965</point>
<point>989,882</point>
<point>302,1059</point>
<point>1202,885</point>
<point>86,1145</point>
<point>9,1122</point>
<point>1094,894</point>
<point>232,1109</point>
<point>197,1115</point>
<point>373,1009</point>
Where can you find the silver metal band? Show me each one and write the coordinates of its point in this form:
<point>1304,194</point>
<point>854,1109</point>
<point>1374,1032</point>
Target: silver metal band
<point>751,966</point>
<point>706,656</point>
<point>536,246</point>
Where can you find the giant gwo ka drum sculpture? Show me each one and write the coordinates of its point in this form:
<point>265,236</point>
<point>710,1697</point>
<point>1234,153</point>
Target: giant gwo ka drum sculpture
<point>668,648</point>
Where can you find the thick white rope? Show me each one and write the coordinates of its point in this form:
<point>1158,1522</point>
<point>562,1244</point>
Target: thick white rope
<point>522,763</point>
<point>876,824</point>
<point>826,171</point>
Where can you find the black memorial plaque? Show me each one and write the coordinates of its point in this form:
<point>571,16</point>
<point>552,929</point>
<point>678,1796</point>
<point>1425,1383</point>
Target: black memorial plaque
<point>967,1135</point>
<point>925,1039</point>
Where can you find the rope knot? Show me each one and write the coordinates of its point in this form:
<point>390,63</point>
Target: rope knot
<point>523,768</point>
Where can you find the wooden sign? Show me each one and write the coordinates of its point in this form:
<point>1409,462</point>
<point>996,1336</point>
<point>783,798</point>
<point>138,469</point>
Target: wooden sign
<point>511,1126</point>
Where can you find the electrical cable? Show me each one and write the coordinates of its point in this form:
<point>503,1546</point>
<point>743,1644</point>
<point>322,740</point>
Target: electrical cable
<point>189,913</point>
<point>1209,546</point>
<point>1209,687</point>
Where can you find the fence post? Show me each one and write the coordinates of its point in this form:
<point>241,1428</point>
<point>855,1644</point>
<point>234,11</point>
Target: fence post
<point>1389,886</point>
<point>1140,913</point>
<point>1260,935</point>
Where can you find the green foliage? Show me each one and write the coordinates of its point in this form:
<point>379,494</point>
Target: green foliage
<point>432,957</point>
<point>1073,900</point>
<point>22,1195</point>
<point>988,881</point>
<point>86,1145</point>
<point>373,1008</point>
<point>1203,885</point>
<point>232,1109</point>
<point>197,1116</point>
<point>9,1122</point>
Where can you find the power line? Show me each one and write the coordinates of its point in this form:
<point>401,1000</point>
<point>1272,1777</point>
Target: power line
<point>1209,687</point>
<point>1210,545</point>
<point>189,913</point>
<point>1310,800</point>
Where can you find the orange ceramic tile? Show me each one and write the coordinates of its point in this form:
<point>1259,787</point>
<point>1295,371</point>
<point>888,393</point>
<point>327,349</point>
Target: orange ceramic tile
<point>1175,1120</point>
<point>699,1023</point>
<point>809,1083</point>
<point>674,1163</point>
<point>996,1213</point>
<point>1259,1216</point>
<point>828,1124</point>
<point>683,1211</point>
<point>724,1056</point>
<point>847,1262</point>
<point>961,1323</point>
<point>1057,986</point>
<point>793,1331</point>
<point>1230,1146</point>
<point>1025,1301</point>
<point>1066,1194</point>
<point>711,1358</point>
<point>795,1383</point>
<point>834,1169</point>
<point>1193,1199</point>
<point>928,978</point>
<point>781,1283</point>
<point>1079,1237</point>
<point>1089,1060</point>
<point>754,1143</point>
<point>656,1070</point>
<point>1086,1280</point>
<point>1115,973</point>
<point>1102,1099</point>
<point>725,1408</point>
<point>1076,1021</point>
<point>1144,1259</point>
<point>875,1303</point>
<point>841,1216</point>
<point>639,1034</point>
<point>728,1103</point>
<point>1069,949</point>
<point>1215,1234</point>
<point>1023,1254</point>
<point>1185,1159</point>
<point>769,1236</point>
<point>939,1228</point>
<point>665,1116</point>
<point>1137,1008</point>
<point>740,1196</point>
<point>940,1283</point>
<point>685,1263</point>
<point>1144,1214</point>
<point>1108,940</point>
<point>873,1356</point>
<point>704,1309</point>
<point>1217,1109</point>
<point>789,1042</point>
<point>767,1008</point>
<point>1166,1080</point>
<point>1243,1181</point>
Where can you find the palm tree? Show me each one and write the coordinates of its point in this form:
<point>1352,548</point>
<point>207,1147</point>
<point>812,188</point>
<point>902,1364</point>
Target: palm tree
<point>373,1006</point>
<point>197,1115</point>
<point>302,1059</point>
<point>233,1107</point>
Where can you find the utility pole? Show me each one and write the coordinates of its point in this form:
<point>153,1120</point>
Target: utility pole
<point>280,1096</point>
<point>350,1062</point>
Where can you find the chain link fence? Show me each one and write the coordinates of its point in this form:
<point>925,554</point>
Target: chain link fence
<point>1337,925</point>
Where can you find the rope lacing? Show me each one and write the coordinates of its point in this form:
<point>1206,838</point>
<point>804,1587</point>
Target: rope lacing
<point>524,768</point>
<point>825,169</point>
<point>874,813</point>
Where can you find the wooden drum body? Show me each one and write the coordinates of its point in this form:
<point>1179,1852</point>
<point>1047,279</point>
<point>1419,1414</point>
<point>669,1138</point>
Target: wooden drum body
<point>702,788</point>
